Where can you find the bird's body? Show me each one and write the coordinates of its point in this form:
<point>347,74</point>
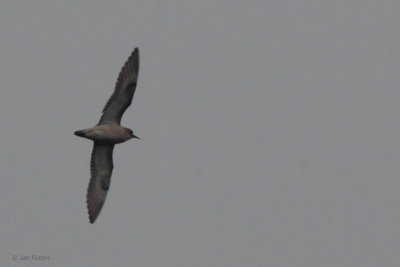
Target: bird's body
<point>107,133</point>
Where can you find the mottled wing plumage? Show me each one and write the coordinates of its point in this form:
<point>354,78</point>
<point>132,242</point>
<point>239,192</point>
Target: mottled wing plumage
<point>101,166</point>
<point>123,92</point>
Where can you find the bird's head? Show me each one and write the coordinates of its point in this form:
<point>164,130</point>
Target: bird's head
<point>131,133</point>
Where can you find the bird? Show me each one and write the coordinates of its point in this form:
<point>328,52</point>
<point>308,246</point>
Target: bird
<point>107,133</point>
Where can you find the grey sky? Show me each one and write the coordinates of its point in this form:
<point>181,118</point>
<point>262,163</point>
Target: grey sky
<point>270,133</point>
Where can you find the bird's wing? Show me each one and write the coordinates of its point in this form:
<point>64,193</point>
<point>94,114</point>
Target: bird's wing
<point>101,166</point>
<point>123,92</point>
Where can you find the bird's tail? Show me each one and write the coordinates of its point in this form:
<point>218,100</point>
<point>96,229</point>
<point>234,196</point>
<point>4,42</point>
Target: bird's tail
<point>80,133</point>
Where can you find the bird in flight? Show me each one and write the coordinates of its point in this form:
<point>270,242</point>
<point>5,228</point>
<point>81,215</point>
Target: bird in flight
<point>107,133</point>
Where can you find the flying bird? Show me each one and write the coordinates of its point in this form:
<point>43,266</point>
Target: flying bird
<point>107,133</point>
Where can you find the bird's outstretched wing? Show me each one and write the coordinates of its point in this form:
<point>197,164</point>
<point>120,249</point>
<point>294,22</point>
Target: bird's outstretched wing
<point>123,92</point>
<point>101,166</point>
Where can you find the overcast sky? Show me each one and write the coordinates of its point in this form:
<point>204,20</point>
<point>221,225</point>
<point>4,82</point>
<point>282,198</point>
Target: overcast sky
<point>269,133</point>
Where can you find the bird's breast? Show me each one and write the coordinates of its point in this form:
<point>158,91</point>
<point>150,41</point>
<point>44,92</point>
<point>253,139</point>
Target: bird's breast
<point>109,133</point>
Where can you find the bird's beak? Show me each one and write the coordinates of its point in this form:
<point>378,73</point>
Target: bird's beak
<point>134,136</point>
